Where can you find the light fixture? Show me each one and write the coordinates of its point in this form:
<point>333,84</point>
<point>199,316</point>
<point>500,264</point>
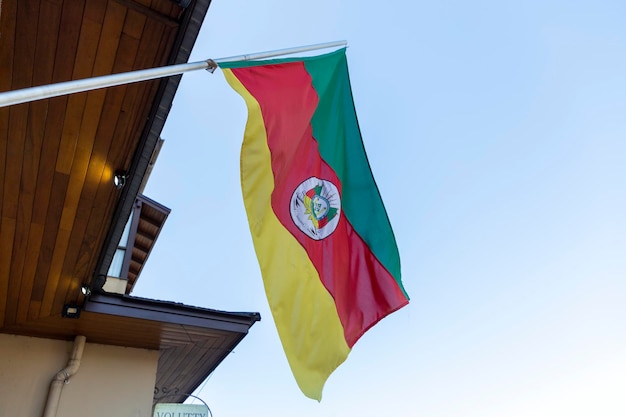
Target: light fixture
<point>85,290</point>
<point>119,179</point>
<point>71,311</point>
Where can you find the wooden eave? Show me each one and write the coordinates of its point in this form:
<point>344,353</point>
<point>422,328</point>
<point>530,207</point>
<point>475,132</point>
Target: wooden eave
<point>59,213</point>
<point>147,221</point>
<point>61,218</point>
<point>192,341</point>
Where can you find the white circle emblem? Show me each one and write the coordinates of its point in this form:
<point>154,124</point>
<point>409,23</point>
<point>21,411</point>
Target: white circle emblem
<point>316,207</point>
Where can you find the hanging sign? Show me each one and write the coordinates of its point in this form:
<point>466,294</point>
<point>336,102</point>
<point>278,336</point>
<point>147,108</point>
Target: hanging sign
<point>180,410</point>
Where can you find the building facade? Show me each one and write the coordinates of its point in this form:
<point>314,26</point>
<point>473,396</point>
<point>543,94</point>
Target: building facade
<point>73,341</point>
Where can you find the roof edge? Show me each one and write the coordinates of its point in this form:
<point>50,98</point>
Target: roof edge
<point>170,312</point>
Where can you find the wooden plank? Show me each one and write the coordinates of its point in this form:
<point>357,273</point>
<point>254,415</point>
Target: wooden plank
<point>174,361</point>
<point>90,34</point>
<point>107,50</point>
<point>30,267</point>
<point>46,214</point>
<point>204,356</point>
<point>32,150</point>
<point>69,135</point>
<point>109,39</point>
<point>146,57</point>
<point>166,8</point>
<point>47,35</point>
<point>149,44</point>
<point>15,155</point>
<point>79,219</point>
<point>167,38</point>
<point>84,246</point>
<point>54,275</point>
<point>24,62</point>
<point>83,68</point>
<point>46,44</point>
<point>25,40</point>
<point>146,11</point>
<point>86,137</point>
<point>47,162</point>
<point>134,24</point>
<point>120,138</point>
<point>65,55</point>
<point>8,18</point>
<point>164,37</point>
<point>18,115</point>
<point>7,229</point>
<point>94,105</point>
<point>94,119</point>
<point>48,204</point>
<point>69,34</point>
<point>63,68</point>
<point>4,138</point>
<point>52,134</point>
<point>95,10</point>
<point>132,108</point>
<point>33,310</point>
<point>55,208</point>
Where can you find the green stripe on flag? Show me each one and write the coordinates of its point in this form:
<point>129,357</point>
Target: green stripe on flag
<point>335,116</point>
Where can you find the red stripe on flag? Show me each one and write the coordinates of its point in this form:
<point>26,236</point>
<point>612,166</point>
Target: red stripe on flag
<point>363,290</point>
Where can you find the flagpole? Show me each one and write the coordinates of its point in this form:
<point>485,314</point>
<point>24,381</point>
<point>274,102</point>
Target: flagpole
<point>26,95</point>
<point>279,52</point>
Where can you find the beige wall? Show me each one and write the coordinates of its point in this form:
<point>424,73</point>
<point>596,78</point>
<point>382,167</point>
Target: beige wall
<point>111,380</point>
<point>115,285</point>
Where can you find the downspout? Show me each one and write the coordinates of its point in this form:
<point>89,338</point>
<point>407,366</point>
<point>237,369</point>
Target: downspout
<point>63,377</point>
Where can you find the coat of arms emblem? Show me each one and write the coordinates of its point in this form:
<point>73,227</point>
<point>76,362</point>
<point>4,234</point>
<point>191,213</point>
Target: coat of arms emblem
<point>316,207</point>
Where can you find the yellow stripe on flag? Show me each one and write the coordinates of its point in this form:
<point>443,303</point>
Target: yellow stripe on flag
<point>303,310</point>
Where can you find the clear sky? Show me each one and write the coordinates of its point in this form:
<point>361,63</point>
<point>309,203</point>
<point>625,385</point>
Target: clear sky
<point>496,132</point>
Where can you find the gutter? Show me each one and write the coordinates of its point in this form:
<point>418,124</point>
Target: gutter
<point>63,377</point>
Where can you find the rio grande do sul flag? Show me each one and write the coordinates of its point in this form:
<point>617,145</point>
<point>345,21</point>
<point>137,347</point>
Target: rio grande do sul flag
<point>327,253</point>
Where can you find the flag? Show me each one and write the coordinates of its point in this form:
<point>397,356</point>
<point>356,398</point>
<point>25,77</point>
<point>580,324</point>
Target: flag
<point>326,250</point>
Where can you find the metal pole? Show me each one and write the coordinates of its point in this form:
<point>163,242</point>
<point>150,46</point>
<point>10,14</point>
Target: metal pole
<point>279,52</point>
<point>26,95</point>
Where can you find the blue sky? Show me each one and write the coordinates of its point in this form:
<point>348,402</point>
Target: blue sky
<point>495,131</point>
